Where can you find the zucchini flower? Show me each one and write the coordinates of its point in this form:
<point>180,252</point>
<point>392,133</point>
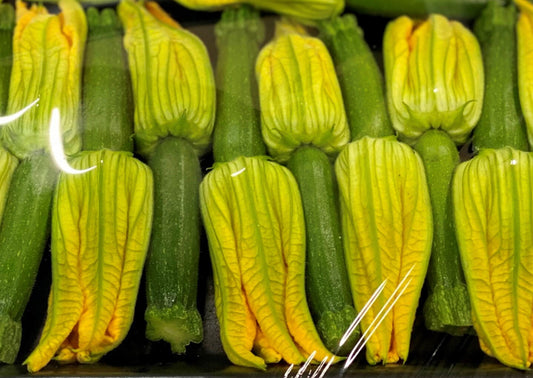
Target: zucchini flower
<point>98,253</point>
<point>435,92</point>
<point>301,101</point>
<point>386,216</point>
<point>173,63</point>
<point>257,244</point>
<point>47,61</point>
<point>493,205</point>
<point>304,10</point>
<point>174,95</point>
<point>304,123</point>
<point>524,33</point>
<point>434,77</point>
<point>493,214</point>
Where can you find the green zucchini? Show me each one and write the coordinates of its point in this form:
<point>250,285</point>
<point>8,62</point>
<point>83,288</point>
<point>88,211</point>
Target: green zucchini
<point>447,307</point>
<point>502,123</point>
<point>237,132</point>
<point>23,235</point>
<point>327,284</point>
<point>106,90</point>
<point>172,264</point>
<point>463,9</point>
<point>7,24</point>
<point>359,77</point>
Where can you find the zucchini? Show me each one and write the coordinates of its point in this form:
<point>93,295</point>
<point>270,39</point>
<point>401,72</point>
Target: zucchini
<point>259,279</point>
<point>172,137</point>
<point>359,77</point>
<point>100,224</point>
<point>447,307</point>
<point>493,207</point>
<point>501,123</point>
<point>23,235</point>
<point>172,264</point>
<point>107,119</point>
<point>7,24</point>
<point>297,78</point>
<point>463,9</point>
<point>327,285</point>
<point>237,126</point>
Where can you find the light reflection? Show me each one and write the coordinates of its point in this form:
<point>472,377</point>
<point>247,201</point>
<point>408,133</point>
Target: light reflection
<point>330,362</point>
<point>56,146</point>
<point>4,120</point>
<point>322,364</point>
<point>288,371</point>
<point>304,367</point>
<point>238,172</point>
<point>382,314</point>
<point>513,162</point>
<point>374,325</point>
<point>362,313</point>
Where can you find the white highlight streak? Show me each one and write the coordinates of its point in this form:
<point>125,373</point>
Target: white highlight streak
<point>322,363</point>
<point>238,172</point>
<point>362,313</point>
<point>4,120</point>
<point>56,146</point>
<point>289,369</point>
<point>378,319</point>
<point>327,367</point>
<point>304,367</point>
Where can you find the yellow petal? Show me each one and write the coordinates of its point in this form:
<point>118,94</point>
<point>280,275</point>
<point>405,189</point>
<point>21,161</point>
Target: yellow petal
<point>524,31</point>
<point>434,77</point>
<point>237,323</point>
<point>264,349</point>
<point>254,222</point>
<point>47,60</point>
<point>172,78</point>
<point>300,97</point>
<point>304,10</point>
<point>100,233</point>
<point>494,225</point>
<point>387,228</point>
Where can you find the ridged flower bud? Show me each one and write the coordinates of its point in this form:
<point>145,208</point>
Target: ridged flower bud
<point>300,97</point>
<point>388,228</point>
<point>493,210</point>
<point>303,10</point>
<point>172,77</point>
<point>47,62</point>
<point>434,77</point>
<point>101,223</point>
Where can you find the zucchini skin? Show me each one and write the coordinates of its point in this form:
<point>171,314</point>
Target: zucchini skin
<point>359,77</point>
<point>237,131</point>
<point>23,235</point>
<point>447,308</point>
<point>501,123</point>
<point>327,284</point>
<point>463,9</point>
<point>173,257</point>
<point>106,91</point>
<point>7,24</point>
